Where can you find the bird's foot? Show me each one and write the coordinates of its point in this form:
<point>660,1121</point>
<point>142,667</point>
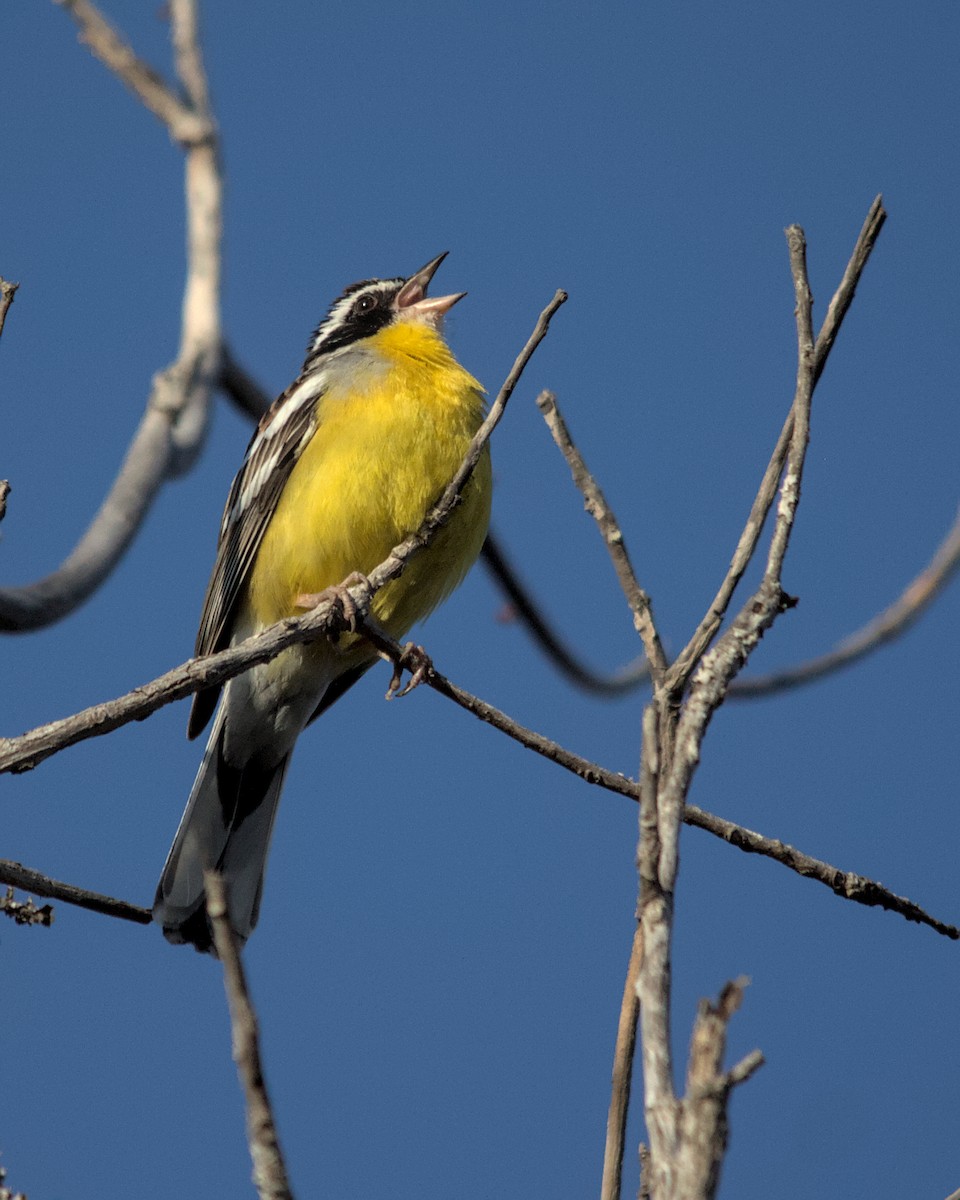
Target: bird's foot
<point>415,660</point>
<point>338,592</point>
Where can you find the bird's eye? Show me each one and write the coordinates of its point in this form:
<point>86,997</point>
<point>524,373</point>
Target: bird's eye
<point>366,303</point>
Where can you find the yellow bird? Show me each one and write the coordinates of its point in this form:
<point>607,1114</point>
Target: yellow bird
<point>344,465</point>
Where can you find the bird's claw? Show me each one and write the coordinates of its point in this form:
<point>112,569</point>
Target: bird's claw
<point>415,660</point>
<point>340,593</point>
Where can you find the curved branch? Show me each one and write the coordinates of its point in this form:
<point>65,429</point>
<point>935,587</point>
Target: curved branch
<point>173,428</point>
<point>885,627</point>
<point>627,679</point>
<point>240,388</point>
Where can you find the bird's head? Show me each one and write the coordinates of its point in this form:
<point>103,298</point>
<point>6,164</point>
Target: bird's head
<point>367,307</point>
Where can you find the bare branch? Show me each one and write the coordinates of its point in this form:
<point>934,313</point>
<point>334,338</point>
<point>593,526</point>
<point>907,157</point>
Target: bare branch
<point>622,1075</point>
<point>888,625</point>
<point>7,292</point>
<point>15,875</point>
<point>241,388</point>
<point>706,631</point>
<point>5,1192</point>
<point>589,771</point>
<point>173,428</point>
<point>106,43</point>
<point>654,980</point>
<point>269,1170</point>
<point>25,912</point>
<point>619,683</point>
<point>802,402</point>
<point>727,658</point>
<point>21,754</point>
<point>744,1069</point>
<point>846,884</point>
<point>102,546</point>
<point>596,505</point>
<point>703,1110</point>
<point>688,1137</point>
<point>843,297</point>
<point>185,36</point>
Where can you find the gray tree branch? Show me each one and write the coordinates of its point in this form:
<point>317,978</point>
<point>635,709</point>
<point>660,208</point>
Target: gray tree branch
<point>269,1169</point>
<point>688,1134</point>
<point>173,427</point>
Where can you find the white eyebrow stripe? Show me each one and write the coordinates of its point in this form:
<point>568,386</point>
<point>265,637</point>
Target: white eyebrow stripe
<point>339,313</point>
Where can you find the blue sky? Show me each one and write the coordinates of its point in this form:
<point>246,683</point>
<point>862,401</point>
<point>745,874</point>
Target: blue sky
<point>446,924</point>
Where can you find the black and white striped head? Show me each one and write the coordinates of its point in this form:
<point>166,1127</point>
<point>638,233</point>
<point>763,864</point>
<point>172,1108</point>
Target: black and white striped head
<point>371,305</point>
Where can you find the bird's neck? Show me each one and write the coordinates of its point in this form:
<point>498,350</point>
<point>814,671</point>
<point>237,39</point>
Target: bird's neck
<point>406,340</point>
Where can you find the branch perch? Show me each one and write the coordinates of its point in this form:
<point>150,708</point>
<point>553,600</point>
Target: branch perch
<point>25,752</point>
<point>249,397</point>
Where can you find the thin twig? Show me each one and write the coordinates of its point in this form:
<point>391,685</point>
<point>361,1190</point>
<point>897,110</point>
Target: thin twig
<point>727,658</point>
<point>743,1070</point>
<point>622,1076</point>
<point>686,660</point>
<point>7,292</point>
<point>885,627</point>
<point>15,875</point>
<point>846,884</point>
<point>269,1170</point>
<point>172,430</point>
<point>596,505</point>
<point>25,912</point>
<point>843,296</point>
<point>185,37</point>
<point>802,402</point>
<point>106,42</point>
<point>589,771</point>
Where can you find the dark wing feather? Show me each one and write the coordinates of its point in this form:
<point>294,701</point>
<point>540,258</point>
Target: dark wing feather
<point>272,454</point>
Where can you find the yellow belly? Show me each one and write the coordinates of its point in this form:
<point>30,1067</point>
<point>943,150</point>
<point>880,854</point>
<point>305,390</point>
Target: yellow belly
<point>379,459</point>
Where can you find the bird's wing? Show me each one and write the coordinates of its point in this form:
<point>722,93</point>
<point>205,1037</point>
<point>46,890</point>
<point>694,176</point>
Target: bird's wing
<point>283,432</point>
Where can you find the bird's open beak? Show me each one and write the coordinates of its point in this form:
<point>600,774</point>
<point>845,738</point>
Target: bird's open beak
<point>412,301</point>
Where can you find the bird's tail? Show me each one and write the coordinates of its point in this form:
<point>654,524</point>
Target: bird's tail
<point>226,827</point>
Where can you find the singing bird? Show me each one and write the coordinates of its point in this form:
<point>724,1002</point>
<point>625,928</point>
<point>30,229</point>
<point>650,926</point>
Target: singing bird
<point>343,466</point>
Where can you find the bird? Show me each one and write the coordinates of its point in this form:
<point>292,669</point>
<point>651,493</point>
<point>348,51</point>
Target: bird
<point>342,467</point>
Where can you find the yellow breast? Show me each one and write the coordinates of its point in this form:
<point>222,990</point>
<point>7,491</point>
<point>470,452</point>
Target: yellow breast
<point>381,456</point>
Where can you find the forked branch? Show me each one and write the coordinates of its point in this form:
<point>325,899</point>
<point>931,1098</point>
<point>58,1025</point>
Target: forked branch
<point>173,426</point>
